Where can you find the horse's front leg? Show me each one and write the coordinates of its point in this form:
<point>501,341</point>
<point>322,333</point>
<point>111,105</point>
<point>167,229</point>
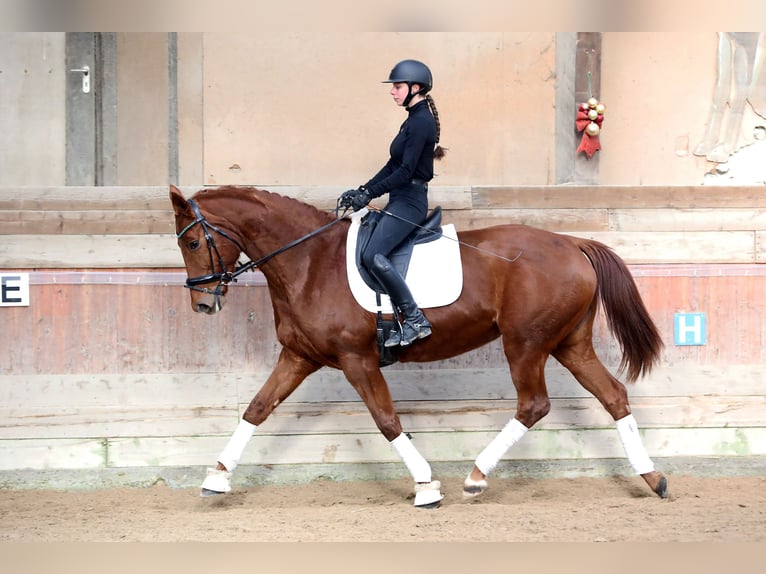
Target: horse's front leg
<point>290,371</point>
<point>364,375</point>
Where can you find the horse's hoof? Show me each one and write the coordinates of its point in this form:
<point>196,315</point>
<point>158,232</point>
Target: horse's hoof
<point>662,488</point>
<point>474,488</point>
<point>206,492</point>
<point>428,495</point>
<point>657,482</point>
<point>216,482</point>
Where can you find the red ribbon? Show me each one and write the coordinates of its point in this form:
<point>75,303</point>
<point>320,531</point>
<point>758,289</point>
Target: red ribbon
<point>588,144</point>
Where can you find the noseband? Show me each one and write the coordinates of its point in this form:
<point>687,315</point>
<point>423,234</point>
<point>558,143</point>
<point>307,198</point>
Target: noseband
<point>225,277</point>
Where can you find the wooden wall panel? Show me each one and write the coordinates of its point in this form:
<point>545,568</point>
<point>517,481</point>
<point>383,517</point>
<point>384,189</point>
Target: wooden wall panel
<point>86,328</point>
<point>109,366</point>
<point>133,227</point>
<point>441,446</point>
<point>618,197</point>
<point>52,453</point>
<point>90,251</point>
<point>321,449</point>
<point>161,250</point>
<point>421,416</point>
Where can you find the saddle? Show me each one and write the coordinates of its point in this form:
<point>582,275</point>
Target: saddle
<point>401,256</point>
<point>435,278</point>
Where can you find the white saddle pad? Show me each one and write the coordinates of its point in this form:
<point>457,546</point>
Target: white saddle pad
<point>435,273</point>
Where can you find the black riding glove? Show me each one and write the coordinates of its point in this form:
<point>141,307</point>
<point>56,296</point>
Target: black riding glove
<point>345,199</point>
<point>361,198</point>
<point>355,198</point>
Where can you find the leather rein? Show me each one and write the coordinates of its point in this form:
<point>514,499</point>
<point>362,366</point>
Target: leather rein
<point>225,277</point>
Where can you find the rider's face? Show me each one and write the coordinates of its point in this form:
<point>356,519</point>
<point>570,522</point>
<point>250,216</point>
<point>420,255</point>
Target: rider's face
<point>399,91</point>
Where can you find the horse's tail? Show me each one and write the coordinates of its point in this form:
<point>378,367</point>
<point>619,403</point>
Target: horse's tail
<point>626,314</point>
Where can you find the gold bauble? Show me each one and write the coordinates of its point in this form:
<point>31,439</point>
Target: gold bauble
<point>592,102</point>
<point>592,129</point>
<point>600,108</point>
<point>592,115</point>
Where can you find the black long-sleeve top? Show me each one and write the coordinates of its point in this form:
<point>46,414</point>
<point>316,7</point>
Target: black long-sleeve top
<point>412,153</point>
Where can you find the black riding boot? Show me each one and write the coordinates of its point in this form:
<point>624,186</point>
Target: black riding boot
<point>415,325</point>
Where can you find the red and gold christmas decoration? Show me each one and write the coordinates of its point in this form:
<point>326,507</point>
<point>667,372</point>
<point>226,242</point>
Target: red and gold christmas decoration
<point>590,116</point>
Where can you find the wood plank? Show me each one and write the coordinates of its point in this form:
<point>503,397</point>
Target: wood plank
<point>142,391</point>
<point>90,251</point>
<point>560,220</point>
<point>618,197</point>
<point>353,417</point>
<point>147,391</point>
<point>52,453</point>
<point>615,220</point>
<point>156,197</point>
<point>565,414</point>
<point>490,384</point>
<point>115,421</point>
<point>133,222</point>
<point>92,222</point>
<point>161,250</point>
<point>353,448</point>
<point>84,198</point>
<point>679,247</point>
<point>438,446</point>
<point>450,197</point>
<point>738,219</point>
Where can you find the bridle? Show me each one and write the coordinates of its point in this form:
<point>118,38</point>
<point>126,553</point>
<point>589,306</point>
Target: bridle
<point>224,277</point>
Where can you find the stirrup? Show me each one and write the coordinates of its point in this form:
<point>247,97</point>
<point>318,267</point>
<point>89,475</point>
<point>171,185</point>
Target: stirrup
<point>410,333</point>
<point>393,338</point>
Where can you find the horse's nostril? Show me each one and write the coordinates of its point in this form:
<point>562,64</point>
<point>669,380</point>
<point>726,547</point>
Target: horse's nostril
<point>202,308</point>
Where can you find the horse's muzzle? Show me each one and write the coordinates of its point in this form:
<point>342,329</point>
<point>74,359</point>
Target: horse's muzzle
<point>209,309</point>
<point>208,302</point>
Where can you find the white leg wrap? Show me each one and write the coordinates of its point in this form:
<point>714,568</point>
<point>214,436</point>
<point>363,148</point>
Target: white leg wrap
<point>236,445</point>
<point>416,464</point>
<point>633,445</point>
<point>491,455</point>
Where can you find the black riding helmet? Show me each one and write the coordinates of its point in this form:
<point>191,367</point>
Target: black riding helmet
<point>411,72</point>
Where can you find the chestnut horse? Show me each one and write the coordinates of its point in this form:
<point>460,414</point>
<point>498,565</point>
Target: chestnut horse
<point>537,290</point>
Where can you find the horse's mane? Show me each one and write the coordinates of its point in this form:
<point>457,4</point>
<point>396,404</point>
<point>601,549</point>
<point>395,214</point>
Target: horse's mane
<point>296,207</point>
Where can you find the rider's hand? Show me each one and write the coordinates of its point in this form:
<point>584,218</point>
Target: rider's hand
<point>361,199</point>
<point>345,199</point>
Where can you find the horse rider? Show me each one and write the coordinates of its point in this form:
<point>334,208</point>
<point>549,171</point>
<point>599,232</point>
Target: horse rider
<point>405,178</point>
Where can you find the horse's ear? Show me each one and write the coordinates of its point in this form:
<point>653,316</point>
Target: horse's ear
<point>180,205</point>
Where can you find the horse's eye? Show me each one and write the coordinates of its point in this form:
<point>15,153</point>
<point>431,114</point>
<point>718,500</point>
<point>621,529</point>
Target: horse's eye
<point>194,245</point>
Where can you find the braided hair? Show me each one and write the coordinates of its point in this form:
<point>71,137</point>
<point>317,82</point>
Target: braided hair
<point>439,151</point>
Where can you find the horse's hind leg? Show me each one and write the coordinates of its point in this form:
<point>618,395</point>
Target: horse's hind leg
<point>528,374</point>
<point>290,371</point>
<point>581,360</point>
